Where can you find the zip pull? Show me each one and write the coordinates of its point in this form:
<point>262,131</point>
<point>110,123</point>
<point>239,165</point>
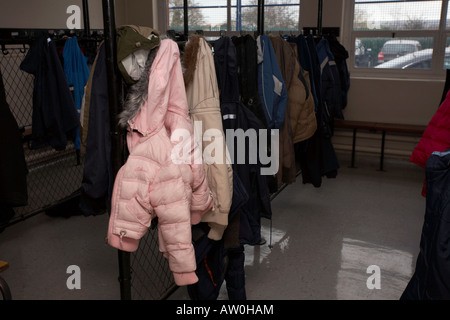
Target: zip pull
<point>122,234</point>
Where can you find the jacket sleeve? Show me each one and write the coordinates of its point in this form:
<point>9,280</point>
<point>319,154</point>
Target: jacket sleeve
<point>131,212</point>
<point>169,199</point>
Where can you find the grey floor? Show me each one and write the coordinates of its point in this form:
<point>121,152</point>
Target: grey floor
<point>323,242</point>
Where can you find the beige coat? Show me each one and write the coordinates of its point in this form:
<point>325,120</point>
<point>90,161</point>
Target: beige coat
<point>204,107</point>
<point>302,112</point>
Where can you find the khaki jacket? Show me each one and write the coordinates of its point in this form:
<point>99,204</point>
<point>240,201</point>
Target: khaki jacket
<point>204,107</point>
<point>302,113</point>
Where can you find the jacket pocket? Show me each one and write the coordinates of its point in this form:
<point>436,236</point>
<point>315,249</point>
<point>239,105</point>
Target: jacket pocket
<point>141,209</point>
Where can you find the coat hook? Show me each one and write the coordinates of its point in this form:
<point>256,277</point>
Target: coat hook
<point>4,50</point>
<point>24,49</point>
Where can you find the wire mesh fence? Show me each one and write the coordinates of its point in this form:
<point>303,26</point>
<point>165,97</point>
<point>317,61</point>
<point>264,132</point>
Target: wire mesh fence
<point>151,278</point>
<point>52,175</point>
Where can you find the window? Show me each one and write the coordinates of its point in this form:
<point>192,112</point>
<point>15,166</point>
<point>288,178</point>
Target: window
<point>234,15</point>
<point>399,35</point>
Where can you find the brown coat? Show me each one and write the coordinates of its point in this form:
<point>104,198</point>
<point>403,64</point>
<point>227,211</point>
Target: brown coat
<point>300,118</point>
<point>288,171</point>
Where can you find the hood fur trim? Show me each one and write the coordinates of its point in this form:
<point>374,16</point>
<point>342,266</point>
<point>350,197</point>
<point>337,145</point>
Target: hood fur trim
<point>138,93</point>
<point>190,57</point>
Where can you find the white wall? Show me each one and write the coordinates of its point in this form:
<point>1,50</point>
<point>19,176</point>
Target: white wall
<point>51,14</point>
<point>45,14</point>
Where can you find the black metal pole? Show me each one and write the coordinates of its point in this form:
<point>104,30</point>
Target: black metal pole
<point>87,25</point>
<point>319,18</point>
<point>186,17</point>
<point>114,85</point>
<point>260,17</point>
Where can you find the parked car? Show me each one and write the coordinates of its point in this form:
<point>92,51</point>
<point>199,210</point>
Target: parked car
<point>363,58</point>
<point>416,60</point>
<point>396,48</point>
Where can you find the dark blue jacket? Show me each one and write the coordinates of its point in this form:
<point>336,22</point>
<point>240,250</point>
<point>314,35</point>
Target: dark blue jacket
<point>431,278</point>
<point>318,157</point>
<point>331,82</point>
<point>237,116</point>
<point>98,177</point>
<point>272,90</point>
<point>55,117</point>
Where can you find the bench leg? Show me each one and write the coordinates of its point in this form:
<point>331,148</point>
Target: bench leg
<point>354,148</point>
<point>383,143</point>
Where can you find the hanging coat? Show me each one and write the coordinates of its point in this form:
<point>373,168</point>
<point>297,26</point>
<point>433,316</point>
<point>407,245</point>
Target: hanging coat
<point>431,278</point>
<point>436,136</point>
<point>331,84</point>
<point>151,184</point>
<point>98,176</point>
<point>77,74</point>
<point>204,108</point>
<point>287,63</point>
<point>13,167</point>
<point>246,55</point>
<point>306,62</point>
<point>238,117</point>
<point>55,118</point>
<point>302,115</point>
<point>272,90</point>
<point>340,56</point>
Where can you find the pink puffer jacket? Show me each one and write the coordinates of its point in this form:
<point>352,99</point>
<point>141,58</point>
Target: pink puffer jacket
<point>150,184</point>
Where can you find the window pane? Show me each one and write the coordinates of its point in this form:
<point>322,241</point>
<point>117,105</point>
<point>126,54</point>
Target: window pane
<point>204,15</point>
<point>245,17</point>
<point>447,54</point>
<point>281,15</point>
<point>398,53</point>
<point>211,15</point>
<point>448,18</point>
<point>397,15</point>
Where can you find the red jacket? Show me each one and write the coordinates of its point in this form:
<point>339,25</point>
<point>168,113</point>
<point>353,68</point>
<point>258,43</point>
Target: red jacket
<point>436,136</point>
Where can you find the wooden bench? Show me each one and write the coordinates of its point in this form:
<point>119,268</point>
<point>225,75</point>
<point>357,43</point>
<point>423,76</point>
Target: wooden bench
<point>377,127</point>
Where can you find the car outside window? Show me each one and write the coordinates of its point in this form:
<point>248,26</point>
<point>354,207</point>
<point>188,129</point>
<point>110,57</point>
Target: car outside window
<point>391,29</point>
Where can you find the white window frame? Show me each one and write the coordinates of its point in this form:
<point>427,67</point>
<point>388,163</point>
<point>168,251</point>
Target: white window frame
<point>439,36</point>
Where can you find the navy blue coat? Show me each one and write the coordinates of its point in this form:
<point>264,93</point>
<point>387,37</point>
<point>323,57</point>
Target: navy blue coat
<point>98,177</point>
<point>431,278</point>
<point>55,118</point>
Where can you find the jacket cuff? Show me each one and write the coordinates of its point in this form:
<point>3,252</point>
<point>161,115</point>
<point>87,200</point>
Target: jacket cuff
<point>216,231</point>
<point>124,244</point>
<point>185,278</point>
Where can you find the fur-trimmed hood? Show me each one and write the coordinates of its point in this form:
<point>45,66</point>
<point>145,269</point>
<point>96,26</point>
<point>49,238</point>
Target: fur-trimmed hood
<point>138,93</point>
<point>158,95</point>
<point>190,58</point>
